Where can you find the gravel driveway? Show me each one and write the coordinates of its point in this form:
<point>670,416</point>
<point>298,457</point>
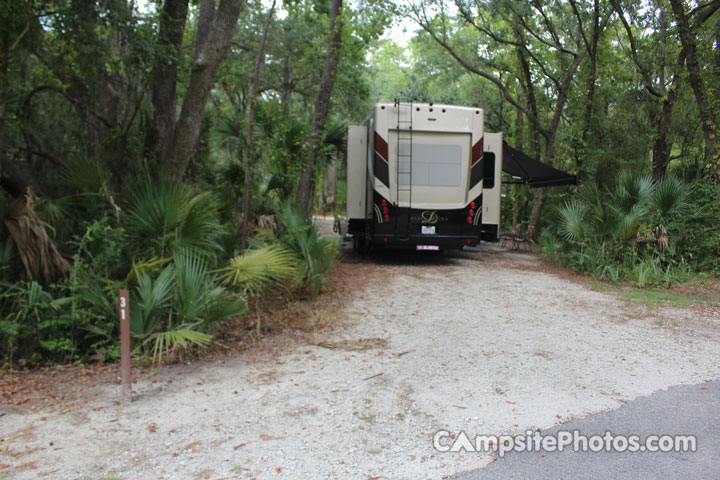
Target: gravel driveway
<point>485,343</point>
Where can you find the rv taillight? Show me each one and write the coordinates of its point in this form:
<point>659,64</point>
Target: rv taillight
<point>384,202</point>
<point>386,209</point>
<point>469,219</point>
<point>386,239</point>
<point>472,204</point>
<point>471,212</point>
<point>387,217</point>
<point>468,240</point>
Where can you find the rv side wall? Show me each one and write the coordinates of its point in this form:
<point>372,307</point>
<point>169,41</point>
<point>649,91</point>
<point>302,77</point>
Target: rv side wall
<point>356,171</point>
<point>491,196</point>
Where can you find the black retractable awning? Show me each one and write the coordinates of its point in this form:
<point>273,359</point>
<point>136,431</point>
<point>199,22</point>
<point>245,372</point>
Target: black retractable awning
<point>533,172</point>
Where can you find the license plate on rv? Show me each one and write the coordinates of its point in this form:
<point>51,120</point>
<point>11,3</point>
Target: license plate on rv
<point>428,247</point>
<point>427,230</point>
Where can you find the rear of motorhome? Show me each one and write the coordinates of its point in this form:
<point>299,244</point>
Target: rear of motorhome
<point>423,176</point>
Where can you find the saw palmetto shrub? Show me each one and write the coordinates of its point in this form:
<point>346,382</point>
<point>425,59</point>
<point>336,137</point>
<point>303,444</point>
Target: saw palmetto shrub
<point>639,230</point>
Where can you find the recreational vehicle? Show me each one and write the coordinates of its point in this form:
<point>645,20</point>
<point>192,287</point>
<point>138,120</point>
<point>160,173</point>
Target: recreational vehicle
<point>423,176</point>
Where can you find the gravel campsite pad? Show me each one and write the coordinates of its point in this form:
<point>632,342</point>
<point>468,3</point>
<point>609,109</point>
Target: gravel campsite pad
<point>488,343</point>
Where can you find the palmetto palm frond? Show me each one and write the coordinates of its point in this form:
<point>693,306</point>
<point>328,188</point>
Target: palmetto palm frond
<point>572,220</point>
<point>85,174</point>
<point>197,297</point>
<point>259,269</point>
<point>316,255</point>
<point>671,198</point>
<point>336,136</point>
<point>319,261</point>
<point>615,218</point>
<point>174,217</point>
<point>99,292</point>
<point>292,137</point>
<point>232,131</point>
<point>150,267</point>
<point>192,284</point>
<point>56,211</point>
<point>148,307</point>
<point>179,307</point>
<point>632,192</point>
<point>164,343</point>
<point>199,227</point>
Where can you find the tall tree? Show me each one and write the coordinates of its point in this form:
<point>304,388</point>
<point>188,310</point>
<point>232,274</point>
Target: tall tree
<point>688,38</point>
<point>590,41</point>
<point>173,17</point>
<point>16,19</point>
<point>210,50</point>
<point>249,141</point>
<point>655,80</point>
<point>322,106</point>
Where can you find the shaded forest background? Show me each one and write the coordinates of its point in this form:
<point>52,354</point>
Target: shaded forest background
<point>177,147</point>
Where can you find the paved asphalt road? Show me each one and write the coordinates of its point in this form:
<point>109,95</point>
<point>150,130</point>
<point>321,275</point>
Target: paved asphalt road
<point>680,410</point>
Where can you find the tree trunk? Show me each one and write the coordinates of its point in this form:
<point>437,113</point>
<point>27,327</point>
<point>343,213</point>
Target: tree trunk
<point>538,203</point>
<point>663,147</point>
<point>519,144</point>
<point>322,106</point>
<point>205,20</point>
<point>707,120</point>
<point>581,146</point>
<point>331,179</point>
<point>249,144</point>
<point>4,66</point>
<point>286,85</point>
<point>531,103</point>
<point>202,77</point>
<point>12,180</point>
<point>164,79</point>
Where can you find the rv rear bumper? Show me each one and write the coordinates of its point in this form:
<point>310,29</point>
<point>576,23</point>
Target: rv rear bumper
<point>413,240</point>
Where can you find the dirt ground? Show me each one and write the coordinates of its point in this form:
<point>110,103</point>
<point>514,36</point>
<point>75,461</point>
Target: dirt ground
<point>490,343</point>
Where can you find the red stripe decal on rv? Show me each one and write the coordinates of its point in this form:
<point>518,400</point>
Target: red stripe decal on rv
<point>477,151</point>
<point>381,146</point>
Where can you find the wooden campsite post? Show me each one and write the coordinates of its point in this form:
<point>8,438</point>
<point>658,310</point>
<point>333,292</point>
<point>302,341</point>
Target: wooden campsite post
<point>125,344</point>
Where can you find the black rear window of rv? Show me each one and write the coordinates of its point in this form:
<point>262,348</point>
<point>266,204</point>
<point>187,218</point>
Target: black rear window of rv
<point>488,169</point>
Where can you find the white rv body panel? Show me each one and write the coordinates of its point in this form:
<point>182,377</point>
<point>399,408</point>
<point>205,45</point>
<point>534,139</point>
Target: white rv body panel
<point>440,172</point>
<point>431,118</point>
<point>443,137</point>
<point>357,167</point>
<point>491,196</point>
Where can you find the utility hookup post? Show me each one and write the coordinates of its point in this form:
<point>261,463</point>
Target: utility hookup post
<point>125,344</point>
